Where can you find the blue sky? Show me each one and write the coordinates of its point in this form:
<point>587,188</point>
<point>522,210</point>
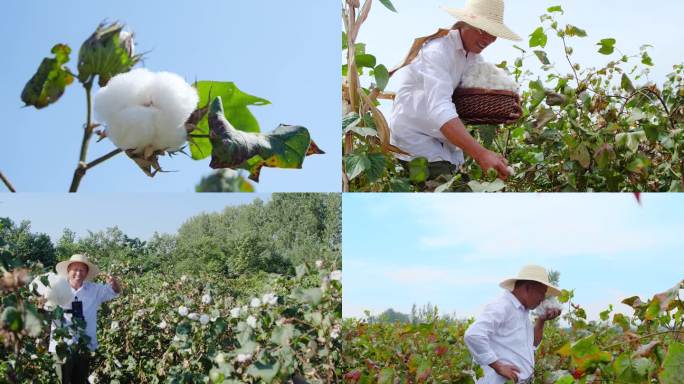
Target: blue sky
<point>286,52</point>
<point>136,214</point>
<point>453,250</point>
<point>632,23</point>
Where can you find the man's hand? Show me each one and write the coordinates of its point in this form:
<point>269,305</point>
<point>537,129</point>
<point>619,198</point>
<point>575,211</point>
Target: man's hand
<point>491,160</point>
<point>550,314</point>
<point>456,133</point>
<point>508,371</point>
<point>114,283</point>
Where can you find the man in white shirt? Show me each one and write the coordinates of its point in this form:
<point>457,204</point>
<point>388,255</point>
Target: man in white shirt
<point>424,121</point>
<point>88,296</point>
<point>502,339</point>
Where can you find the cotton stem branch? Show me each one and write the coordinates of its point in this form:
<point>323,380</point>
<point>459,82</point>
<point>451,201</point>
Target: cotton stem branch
<point>7,183</point>
<point>87,134</point>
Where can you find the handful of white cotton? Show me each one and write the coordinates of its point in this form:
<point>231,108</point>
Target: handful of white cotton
<point>547,304</point>
<point>58,293</point>
<point>487,76</point>
<point>146,111</point>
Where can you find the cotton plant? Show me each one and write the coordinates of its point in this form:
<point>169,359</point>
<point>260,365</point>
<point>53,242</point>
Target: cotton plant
<point>488,76</point>
<point>147,114</point>
<point>54,289</point>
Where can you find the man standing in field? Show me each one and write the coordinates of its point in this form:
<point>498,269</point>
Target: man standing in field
<point>424,121</point>
<point>502,339</point>
<point>88,297</point>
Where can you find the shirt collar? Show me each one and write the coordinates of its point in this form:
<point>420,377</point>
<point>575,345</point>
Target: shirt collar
<point>514,300</point>
<point>455,36</point>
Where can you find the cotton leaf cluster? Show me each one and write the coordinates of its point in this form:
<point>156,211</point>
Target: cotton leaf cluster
<point>56,293</point>
<point>488,76</point>
<point>145,112</point>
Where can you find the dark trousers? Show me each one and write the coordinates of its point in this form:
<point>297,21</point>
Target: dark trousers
<point>75,370</point>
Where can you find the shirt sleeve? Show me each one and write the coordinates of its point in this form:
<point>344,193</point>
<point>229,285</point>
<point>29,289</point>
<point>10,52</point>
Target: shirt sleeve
<point>105,292</point>
<point>438,85</point>
<point>478,334</point>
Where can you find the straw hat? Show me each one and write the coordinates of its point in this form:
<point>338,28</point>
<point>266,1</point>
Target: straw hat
<point>63,266</point>
<point>486,15</point>
<point>534,273</point>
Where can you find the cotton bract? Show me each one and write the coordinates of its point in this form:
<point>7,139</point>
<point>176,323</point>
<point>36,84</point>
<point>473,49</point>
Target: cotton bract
<point>487,76</point>
<point>144,110</point>
<point>58,293</point>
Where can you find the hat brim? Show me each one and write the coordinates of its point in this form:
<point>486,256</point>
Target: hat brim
<point>509,284</point>
<point>62,268</point>
<point>491,27</point>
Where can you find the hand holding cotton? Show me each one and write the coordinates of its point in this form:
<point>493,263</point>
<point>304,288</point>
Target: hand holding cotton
<point>143,109</point>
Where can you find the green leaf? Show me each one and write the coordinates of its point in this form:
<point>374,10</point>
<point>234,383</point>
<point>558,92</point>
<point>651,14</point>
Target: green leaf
<point>365,60</point>
<point>487,134</point>
<point>607,46</point>
<point>494,186</point>
<point>372,164</point>
<point>284,147</point>
<point>350,120</point>
<point>47,85</point>
<point>541,55</point>
<point>224,181</point>
<point>400,185</point>
<point>646,59</point>
<point>673,366</point>
<point>418,170</point>
<point>571,30</point>
<point>311,296</point>
<point>235,104</point>
<point>344,40</point>
<point>388,5</point>
<point>538,38</point>
<point>11,320</point>
<point>556,8</point>
<point>381,76</point>
<point>386,376</point>
<point>266,372</point>
<point>580,153</point>
<point>282,334</point>
<point>626,83</point>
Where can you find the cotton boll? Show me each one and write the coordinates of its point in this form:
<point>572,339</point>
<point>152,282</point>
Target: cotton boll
<point>144,109</point>
<point>57,294</point>
<point>547,304</point>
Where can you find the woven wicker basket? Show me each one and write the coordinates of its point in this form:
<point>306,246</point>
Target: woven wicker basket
<point>487,106</point>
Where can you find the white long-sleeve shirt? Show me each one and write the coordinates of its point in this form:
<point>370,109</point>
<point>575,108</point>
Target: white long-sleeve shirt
<point>92,295</point>
<point>502,332</point>
<point>423,101</point>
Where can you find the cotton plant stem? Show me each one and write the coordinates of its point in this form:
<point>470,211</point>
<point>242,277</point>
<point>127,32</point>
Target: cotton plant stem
<point>7,183</point>
<point>82,167</point>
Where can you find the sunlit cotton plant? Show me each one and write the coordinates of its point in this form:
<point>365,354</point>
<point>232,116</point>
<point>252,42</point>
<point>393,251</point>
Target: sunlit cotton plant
<point>149,114</point>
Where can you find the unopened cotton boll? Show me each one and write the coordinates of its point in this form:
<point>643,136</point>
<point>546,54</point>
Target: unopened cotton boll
<point>144,109</point>
<point>58,293</point>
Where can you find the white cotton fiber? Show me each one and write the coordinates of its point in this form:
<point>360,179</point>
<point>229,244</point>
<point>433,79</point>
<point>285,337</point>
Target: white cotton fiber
<point>57,294</point>
<point>550,303</point>
<point>143,108</point>
<point>487,76</point>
